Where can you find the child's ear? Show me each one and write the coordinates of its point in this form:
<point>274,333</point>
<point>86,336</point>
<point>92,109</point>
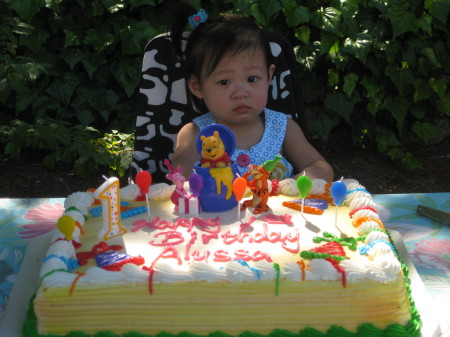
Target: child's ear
<point>195,87</point>
<point>271,72</point>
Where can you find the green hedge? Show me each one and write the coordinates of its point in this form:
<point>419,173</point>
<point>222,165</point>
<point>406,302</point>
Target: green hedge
<point>380,66</point>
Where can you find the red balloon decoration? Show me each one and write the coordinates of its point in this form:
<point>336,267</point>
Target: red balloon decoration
<point>144,180</point>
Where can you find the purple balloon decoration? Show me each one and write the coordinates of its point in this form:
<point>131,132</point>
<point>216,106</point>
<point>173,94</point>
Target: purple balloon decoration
<point>195,184</point>
<point>338,192</point>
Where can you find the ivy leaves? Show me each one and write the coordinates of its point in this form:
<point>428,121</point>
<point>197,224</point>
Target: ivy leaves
<point>78,61</point>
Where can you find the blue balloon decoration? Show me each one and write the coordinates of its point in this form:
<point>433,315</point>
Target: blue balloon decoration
<point>338,192</point>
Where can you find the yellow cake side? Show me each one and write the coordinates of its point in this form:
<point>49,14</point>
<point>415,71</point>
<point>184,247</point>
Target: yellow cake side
<point>202,307</point>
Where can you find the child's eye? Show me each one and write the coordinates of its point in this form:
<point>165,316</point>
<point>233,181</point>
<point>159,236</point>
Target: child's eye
<point>224,82</point>
<point>253,79</point>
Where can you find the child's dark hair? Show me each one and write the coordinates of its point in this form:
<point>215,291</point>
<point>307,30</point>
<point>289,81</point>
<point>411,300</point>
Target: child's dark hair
<point>210,41</point>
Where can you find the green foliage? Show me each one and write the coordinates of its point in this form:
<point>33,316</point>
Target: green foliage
<point>120,148</point>
<point>76,61</point>
<point>58,141</point>
<point>380,66</point>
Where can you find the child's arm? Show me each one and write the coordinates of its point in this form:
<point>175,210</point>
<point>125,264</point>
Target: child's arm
<point>303,156</point>
<point>186,153</point>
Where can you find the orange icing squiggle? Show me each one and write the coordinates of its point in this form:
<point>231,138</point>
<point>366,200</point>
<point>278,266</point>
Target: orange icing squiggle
<point>79,227</point>
<point>72,287</point>
<point>306,208</point>
<point>302,266</point>
<point>324,196</point>
<point>358,222</point>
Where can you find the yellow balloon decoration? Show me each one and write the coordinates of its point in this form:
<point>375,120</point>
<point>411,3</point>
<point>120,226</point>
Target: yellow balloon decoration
<point>66,225</point>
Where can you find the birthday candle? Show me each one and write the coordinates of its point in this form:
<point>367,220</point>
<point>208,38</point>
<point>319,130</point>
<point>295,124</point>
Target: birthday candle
<point>304,185</point>
<point>109,194</point>
<point>239,186</point>
<point>338,192</point>
<point>195,185</point>
<point>144,180</point>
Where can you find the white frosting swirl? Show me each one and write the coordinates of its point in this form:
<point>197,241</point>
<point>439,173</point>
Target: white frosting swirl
<point>380,248</point>
<point>366,213</point>
<point>318,186</point>
<point>349,182</point>
<point>96,275</point>
<point>130,192</point>
<point>292,271</point>
<point>205,272</point>
<point>360,203</point>
<point>77,216</point>
<point>266,270</point>
<point>62,248</point>
<point>236,272</point>
<point>321,270</point>
<point>367,227</point>
<point>58,279</point>
<point>288,187</point>
<point>160,191</point>
<point>381,269</point>
<point>390,264</point>
<point>352,195</point>
<point>165,273</point>
<point>375,236</point>
<point>134,274</point>
<point>80,200</point>
<point>52,263</point>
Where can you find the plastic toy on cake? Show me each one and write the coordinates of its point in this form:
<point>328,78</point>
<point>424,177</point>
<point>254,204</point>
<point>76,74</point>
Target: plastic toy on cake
<point>259,185</point>
<point>213,151</point>
<point>184,201</point>
<point>216,144</point>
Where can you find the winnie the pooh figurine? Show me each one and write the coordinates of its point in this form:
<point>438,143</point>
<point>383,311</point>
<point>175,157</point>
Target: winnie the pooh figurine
<point>213,152</point>
<point>215,144</point>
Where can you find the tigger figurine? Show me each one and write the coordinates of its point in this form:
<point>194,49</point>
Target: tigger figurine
<point>259,185</point>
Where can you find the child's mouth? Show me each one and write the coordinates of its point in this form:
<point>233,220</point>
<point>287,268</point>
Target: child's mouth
<point>242,109</point>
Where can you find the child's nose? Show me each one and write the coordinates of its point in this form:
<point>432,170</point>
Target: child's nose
<point>240,92</point>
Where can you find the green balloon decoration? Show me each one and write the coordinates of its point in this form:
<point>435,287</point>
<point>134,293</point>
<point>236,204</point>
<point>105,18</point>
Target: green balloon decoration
<point>304,185</point>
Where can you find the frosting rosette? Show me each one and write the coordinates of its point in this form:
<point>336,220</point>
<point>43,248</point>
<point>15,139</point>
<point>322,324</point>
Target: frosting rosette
<point>288,187</point>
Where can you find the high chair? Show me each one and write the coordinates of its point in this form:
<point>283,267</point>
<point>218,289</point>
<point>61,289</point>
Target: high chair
<point>164,105</point>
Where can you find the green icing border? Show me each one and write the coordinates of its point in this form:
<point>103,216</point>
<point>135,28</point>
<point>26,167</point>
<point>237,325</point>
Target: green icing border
<point>411,329</point>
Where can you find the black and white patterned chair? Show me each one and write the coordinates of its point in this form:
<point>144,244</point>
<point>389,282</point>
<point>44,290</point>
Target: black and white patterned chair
<point>164,106</point>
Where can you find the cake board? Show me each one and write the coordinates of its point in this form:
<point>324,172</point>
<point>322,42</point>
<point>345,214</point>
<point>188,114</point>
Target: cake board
<point>28,279</point>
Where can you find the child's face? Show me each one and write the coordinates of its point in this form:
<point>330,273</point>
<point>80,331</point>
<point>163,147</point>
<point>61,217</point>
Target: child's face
<point>236,91</point>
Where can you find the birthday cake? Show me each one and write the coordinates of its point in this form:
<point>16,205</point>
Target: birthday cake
<point>332,273</point>
<point>224,255</point>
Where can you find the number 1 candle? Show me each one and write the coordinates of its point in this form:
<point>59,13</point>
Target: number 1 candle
<point>109,194</point>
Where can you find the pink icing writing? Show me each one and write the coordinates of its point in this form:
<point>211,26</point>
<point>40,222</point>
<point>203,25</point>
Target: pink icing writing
<point>206,225</point>
<point>167,238</point>
<point>273,219</point>
<point>189,245</point>
<point>241,254</point>
<point>230,238</point>
<point>170,237</point>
